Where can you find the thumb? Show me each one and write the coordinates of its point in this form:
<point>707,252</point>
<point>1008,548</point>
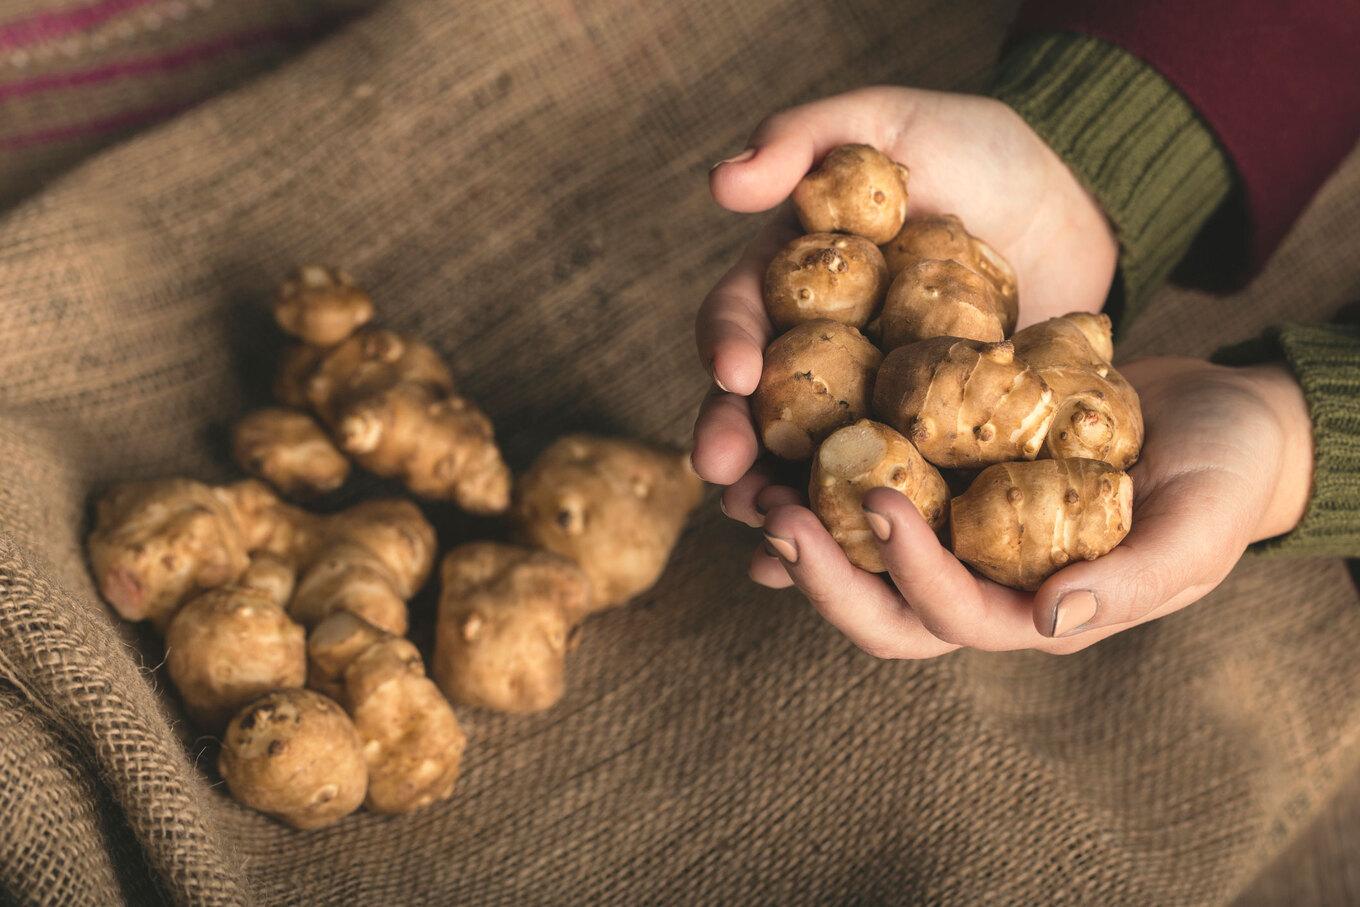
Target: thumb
<point>785,145</point>
<point>1186,537</point>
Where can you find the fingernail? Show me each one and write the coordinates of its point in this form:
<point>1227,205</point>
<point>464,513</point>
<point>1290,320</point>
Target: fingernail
<point>878,523</point>
<point>735,159</point>
<point>722,387</point>
<point>1074,611</point>
<point>784,548</point>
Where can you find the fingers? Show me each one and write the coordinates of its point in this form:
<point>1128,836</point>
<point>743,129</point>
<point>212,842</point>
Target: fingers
<point>732,329</point>
<point>767,569</point>
<point>1185,539</point>
<point>784,147</point>
<point>950,602</point>
<point>860,604</point>
<point>738,500</point>
<point>725,443</point>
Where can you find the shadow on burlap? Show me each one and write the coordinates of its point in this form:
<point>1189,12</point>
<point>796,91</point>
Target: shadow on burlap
<point>524,185</point>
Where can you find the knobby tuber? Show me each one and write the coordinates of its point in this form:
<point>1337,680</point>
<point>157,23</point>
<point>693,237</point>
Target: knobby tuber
<point>508,616</point>
<point>825,275</point>
<point>942,298</point>
<point>856,189</point>
<point>857,458</point>
<point>412,742</point>
<point>386,399</point>
<point>295,755</point>
<point>1018,523</point>
<point>289,450</point>
<point>615,507</point>
<point>943,237</point>
<point>816,378</point>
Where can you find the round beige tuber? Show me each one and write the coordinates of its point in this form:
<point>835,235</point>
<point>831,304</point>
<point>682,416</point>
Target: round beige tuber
<point>816,378</point>
<point>321,306</point>
<point>856,189</point>
<point>507,619</point>
<point>1019,523</point>
<point>615,507</point>
<point>289,450</point>
<point>228,647</point>
<point>857,458</point>
<point>943,237</point>
<point>942,298</point>
<point>295,755</point>
<point>825,275</point>
<point>964,403</point>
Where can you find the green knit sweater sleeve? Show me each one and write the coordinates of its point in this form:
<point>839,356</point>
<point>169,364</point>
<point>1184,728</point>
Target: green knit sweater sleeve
<point>1131,138</point>
<point>1326,360</point>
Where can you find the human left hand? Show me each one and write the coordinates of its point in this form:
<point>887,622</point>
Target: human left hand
<point>1227,461</point>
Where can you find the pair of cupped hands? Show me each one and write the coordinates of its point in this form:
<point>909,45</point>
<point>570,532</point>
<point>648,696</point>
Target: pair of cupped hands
<point>1227,459</point>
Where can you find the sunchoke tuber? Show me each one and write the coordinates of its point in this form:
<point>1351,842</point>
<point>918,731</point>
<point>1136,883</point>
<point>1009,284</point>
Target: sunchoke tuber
<point>507,619</point>
<point>1018,523</point>
<point>816,378</point>
<point>321,306</point>
<point>825,275</point>
<point>615,507</point>
<point>856,189</point>
<point>412,742</point>
<point>289,450</point>
<point>857,458</point>
<point>943,237</point>
<point>295,755</point>
<point>942,298</point>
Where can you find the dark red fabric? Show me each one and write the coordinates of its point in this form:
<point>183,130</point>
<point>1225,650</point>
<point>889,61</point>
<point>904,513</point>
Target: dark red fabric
<point>1278,82</point>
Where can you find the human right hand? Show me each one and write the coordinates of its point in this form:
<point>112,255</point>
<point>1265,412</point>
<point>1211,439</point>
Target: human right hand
<point>968,155</point>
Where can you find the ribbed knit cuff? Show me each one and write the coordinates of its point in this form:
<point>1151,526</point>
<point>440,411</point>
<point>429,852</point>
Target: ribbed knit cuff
<point>1131,138</point>
<point>1326,360</point>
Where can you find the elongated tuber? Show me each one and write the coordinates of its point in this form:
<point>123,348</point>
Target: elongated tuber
<point>295,755</point>
<point>1018,523</point>
<point>412,742</point>
<point>615,507</point>
<point>964,403</point>
<point>1097,413</point>
<point>289,450</point>
<point>943,237</point>
<point>856,189</point>
<point>229,646</point>
<point>857,458</point>
<point>825,275</point>
<point>507,619</point>
<point>934,298</point>
<point>816,378</point>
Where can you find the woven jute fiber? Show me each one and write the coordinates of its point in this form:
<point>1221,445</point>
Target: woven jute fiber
<point>523,184</point>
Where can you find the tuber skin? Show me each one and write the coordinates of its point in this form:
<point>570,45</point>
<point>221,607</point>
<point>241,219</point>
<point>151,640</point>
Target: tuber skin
<point>825,275</point>
<point>614,506</point>
<point>964,403</point>
<point>507,619</point>
<point>321,306</point>
<point>935,298</point>
<point>228,647</point>
<point>412,741</point>
<point>295,755</point>
<point>1019,523</point>
<point>857,458</point>
<point>943,237</point>
<point>1098,414</point>
<point>856,189</point>
<point>386,400</point>
<point>289,450</point>
<point>157,544</point>
<point>370,559</point>
<point>816,378</point>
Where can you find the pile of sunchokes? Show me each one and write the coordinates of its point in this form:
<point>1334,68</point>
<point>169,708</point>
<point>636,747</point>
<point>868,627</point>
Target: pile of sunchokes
<point>284,629</point>
<point>911,321</point>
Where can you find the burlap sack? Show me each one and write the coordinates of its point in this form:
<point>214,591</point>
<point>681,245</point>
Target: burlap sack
<point>523,183</point>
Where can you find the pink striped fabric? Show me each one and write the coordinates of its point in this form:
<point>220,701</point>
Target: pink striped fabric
<point>52,24</point>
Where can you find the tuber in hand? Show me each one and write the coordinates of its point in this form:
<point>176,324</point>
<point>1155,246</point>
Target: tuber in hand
<point>507,618</point>
<point>857,458</point>
<point>816,378</point>
<point>825,275</point>
<point>295,755</point>
<point>613,506</point>
<point>1018,523</point>
<point>934,298</point>
<point>943,237</point>
<point>856,189</point>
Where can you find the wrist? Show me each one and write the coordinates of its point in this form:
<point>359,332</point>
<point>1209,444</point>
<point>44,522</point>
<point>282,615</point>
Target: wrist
<point>1277,388</point>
